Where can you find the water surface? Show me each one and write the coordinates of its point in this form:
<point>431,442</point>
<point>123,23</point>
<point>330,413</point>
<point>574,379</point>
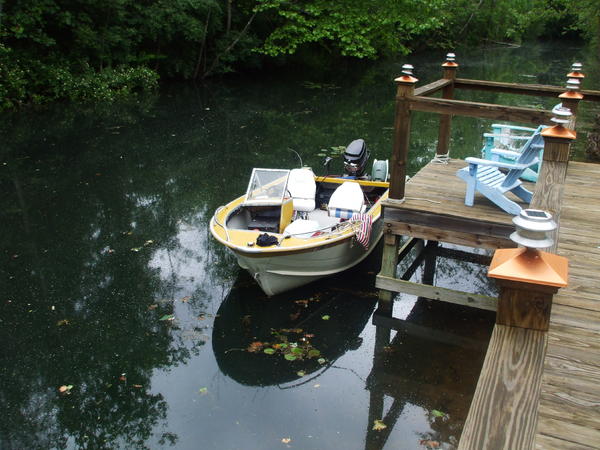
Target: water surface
<point>111,285</point>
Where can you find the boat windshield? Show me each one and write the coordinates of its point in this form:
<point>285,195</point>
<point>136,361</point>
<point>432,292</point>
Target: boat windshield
<point>267,186</point>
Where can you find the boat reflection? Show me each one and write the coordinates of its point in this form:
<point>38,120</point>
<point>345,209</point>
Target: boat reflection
<point>327,316</point>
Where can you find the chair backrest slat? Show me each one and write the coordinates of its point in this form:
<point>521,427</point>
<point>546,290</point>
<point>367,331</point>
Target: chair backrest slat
<point>530,151</point>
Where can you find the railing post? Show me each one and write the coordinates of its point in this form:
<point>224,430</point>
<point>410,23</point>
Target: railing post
<point>553,171</point>
<point>528,277</point>
<point>572,96</point>
<point>449,73</point>
<point>406,88</point>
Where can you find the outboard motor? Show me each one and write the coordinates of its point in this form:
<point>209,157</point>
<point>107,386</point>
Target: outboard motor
<point>355,158</point>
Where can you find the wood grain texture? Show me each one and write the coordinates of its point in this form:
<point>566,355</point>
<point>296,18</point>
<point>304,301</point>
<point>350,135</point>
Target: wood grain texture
<point>523,89</point>
<point>503,410</point>
<point>433,87</point>
<point>522,305</point>
<point>481,110</point>
<point>437,293</point>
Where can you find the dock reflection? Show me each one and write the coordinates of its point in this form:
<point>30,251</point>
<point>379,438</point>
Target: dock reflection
<point>431,360</point>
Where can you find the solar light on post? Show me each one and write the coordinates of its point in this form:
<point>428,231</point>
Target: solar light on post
<point>528,277</point>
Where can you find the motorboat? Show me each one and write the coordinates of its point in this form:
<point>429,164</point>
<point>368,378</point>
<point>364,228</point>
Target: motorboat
<point>293,227</point>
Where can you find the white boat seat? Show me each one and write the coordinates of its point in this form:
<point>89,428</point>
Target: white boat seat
<point>346,200</point>
<point>302,187</point>
<point>302,228</point>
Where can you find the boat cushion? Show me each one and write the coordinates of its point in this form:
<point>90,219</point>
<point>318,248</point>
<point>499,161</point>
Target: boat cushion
<point>347,199</point>
<point>303,188</point>
<point>302,228</point>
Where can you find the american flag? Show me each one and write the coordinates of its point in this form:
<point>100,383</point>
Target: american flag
<point>363,233</point>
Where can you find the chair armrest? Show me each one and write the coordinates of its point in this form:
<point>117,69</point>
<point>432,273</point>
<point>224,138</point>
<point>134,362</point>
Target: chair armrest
<point>484,162</point>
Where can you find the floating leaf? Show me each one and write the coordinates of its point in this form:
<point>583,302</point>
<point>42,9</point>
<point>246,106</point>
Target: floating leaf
<point>255,347</point>
<point>378,425</point>
<point>137,386</point>
<point>136,249</point>
<point>203,390</point>
<point>269,351</point>
<point>429,443</point>
<point>167,317</point>
<point>321,360</point>
<point>317,385</point>
<point>65,389</point>
<point>290,357</point>
<point>62,322</point>
<point>325,317</point>
<point>297,351</point>
<point>313,353</point>
<point>148,242</point>
<point>286,440</point>
<point>301,373</point>
<point>438,413</point>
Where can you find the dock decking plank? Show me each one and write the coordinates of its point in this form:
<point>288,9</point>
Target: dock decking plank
<point>534,391</point>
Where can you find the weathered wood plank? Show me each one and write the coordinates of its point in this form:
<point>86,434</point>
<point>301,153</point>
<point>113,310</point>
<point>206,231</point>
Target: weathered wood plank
<point>453,237</point>
<point>432,88</point>
<point>437,293</point>
<point>544,442</point>
<point>568,431</point>
<point>481,110</point>
<point>503,411</point>
<point>541,90</point>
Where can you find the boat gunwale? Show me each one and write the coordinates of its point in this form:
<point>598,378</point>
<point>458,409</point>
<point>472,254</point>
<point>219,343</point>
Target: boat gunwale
<point>312,244</point>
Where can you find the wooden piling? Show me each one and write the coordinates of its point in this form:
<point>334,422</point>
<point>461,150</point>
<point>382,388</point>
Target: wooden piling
<point>549,188</point>
<point>405,89</point>
<point>449,69</point>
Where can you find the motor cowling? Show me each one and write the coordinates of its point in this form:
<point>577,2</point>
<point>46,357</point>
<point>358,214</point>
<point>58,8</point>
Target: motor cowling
<point>356,156</point>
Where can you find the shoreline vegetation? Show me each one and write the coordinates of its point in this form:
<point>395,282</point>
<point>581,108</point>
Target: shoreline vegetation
<point>84,50</point>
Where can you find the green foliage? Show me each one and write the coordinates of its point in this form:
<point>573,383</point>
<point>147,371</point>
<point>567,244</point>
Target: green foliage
<point>358,28</point>
<point>90,50</point>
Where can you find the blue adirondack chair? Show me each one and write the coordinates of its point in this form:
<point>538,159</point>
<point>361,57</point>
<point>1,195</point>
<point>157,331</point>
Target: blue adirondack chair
<point>513,138</point>
<point>485,176</point>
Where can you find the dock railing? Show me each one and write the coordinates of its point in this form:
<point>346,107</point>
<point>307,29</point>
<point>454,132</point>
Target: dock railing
<point>503,412</point>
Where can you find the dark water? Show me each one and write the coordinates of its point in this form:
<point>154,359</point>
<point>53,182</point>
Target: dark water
<point>104,214</point>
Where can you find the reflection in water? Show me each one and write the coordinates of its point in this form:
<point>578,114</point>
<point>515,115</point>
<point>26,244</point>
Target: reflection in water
<point>104,214</point>
<point>246,317</point>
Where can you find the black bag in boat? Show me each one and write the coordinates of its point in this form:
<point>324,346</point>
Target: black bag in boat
<point>266,240</point>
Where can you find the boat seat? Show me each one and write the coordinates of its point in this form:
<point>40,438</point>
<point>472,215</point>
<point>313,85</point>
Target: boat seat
<point>302,187</point>
<point>302,228</point>
<point>346,200</point>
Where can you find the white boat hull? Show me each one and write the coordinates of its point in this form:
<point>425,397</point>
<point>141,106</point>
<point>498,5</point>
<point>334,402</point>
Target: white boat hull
<point>276,273</point>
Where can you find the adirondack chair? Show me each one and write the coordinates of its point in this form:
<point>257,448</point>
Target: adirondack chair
<point>485,176</point>
<point>513,138</point>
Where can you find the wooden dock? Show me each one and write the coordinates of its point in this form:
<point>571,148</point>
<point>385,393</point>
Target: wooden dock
<point>539,386</point>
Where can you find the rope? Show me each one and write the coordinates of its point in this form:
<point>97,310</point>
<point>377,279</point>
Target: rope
<point>423,199</point>
<point>441,159</point>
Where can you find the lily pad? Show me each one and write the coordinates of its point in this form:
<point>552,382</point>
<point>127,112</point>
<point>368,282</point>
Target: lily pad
<point>167,317</point>
<point>269,351</point>
<point>438,413</point>
<point>325,317</point>
<point>290,357</point>
<point>313,353</point>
